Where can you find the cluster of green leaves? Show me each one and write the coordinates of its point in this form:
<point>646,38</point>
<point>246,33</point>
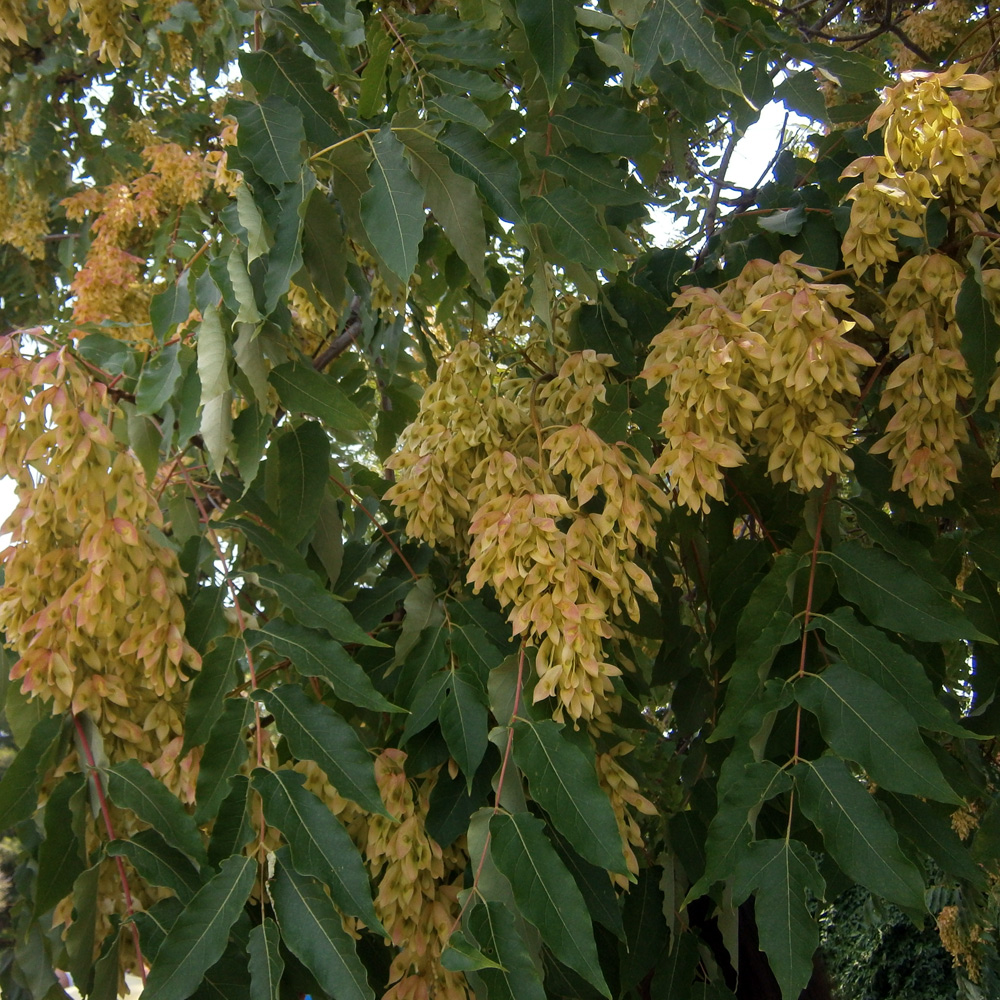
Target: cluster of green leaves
<point>812,696</point>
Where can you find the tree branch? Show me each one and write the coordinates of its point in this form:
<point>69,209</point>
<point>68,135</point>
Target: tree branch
<point>343,340</point>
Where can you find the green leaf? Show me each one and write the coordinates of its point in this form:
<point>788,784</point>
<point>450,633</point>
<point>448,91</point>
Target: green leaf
<point>563,781</point>
<point>677,30</point>
<point>463,723</point>
<point>154,924</point>
<point>229,978</point>
<point>426,705</point>
<point>302,389</point>
<point>144,438</point>
<point>315,655</point>
<point>171,306</point>
<point>131,786</point>
<point>550,28</point>
<point>81,933</point>
<point>289,73</point>
<point>766,625</point>
<point>744,786</point>
<point>574,228</point>
<point>249,354</point>
<point>928,828</point>
<point>782,872</point>
<point>495,930</point>
<point>213,355</point>
<point>266,963</point>
<point>606,130</point>
<point>492,169</point>
<point>857,835</point>
<point>225,753</point>
<point>302,457</point>
<point>392,209</point>
<point>371,98</point>
<point>453,200</point>
<point>863,723</point>
<point>312,605</point>
<point>251,430</point>
<point>880,529</point>
<point>311,929</point>
<point>216,429</point>
<point>319,844</point>
<point>216,398</point>
<point>198,938</point>
<point>315,732</point>
<point>271,137</point>
<point>802,92</point>
<point>350,181</point>
<point>60,859</point>
<point>323,249</point>
<point>158,380</point>
<point>854,71</point>
<point>285,257</point>
<point>871,652</point>
<point>545,892</point>
<point>984,547</point>
<point>893,596</point>
<point>646,932</point>
<point>217,676</point>
<point>598,180</point>
<point>459,109</point>
<point>158,863</point>
<point>19,786</point>
<point>594,885</point>
<point>250,217</point>
<point>980,334</point>
<point>462,956</point>
<point>239,277</point>
<point>232,830</point>
<point>786,223</point>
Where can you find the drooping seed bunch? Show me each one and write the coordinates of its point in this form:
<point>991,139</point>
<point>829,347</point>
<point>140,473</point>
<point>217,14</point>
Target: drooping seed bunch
<point>418,880</point>
<point>112,285</point>
<point>456,427</point>
<point>91,599</point>
<point>762,363</point>
<point>926,389</point>
<point>623,792</point>
<point>552,516</point>
<point>940,142</point>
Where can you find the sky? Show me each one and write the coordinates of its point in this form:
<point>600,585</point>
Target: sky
<point>751,157</point>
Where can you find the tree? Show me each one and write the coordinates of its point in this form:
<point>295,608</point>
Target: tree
<point>422,585</point>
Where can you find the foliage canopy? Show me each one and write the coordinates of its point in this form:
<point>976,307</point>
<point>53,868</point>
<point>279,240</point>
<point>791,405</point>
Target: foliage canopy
<point>424,586</point>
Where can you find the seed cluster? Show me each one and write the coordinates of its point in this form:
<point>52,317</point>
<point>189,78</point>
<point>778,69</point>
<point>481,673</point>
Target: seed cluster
<point>552,516</point>
<point>762,363</point>
<point>91,600</point>
<point>418,880</point>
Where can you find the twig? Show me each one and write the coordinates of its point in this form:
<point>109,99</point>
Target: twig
<point>340,343</point>
<point>711,213</point>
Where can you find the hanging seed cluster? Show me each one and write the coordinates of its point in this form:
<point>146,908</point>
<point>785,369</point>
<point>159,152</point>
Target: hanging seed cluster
<point>941,135</point>
<point>418,880</point>
<point>91,600</point>
<point>510,473</point>
<point>761,364</point>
